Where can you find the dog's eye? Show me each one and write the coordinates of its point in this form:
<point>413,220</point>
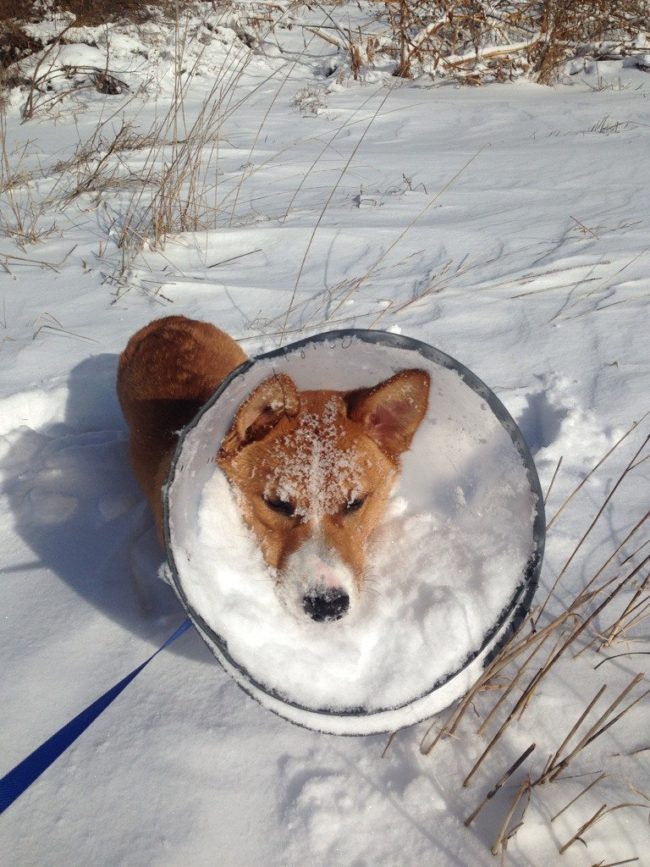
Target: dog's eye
<point>354,505</point>
<point>282,507</point>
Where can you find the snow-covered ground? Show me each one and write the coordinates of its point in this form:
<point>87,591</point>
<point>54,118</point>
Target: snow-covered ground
<point>507,226</point>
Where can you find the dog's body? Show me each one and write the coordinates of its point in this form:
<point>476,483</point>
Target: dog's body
<point>312,470</point>
<point>166,373</point>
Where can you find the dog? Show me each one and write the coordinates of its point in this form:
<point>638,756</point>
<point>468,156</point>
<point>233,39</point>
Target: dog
<point>312,471</point>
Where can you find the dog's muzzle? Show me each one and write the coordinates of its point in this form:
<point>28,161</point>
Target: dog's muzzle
<point>316,580</point>
<point>326,603</point>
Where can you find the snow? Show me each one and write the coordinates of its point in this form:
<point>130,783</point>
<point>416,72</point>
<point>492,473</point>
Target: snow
<point>447,562</point>
<point>505,225</point>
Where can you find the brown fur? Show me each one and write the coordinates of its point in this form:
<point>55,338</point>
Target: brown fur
<point>166,373</point>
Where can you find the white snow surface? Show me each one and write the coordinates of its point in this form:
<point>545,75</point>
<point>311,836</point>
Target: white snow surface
<point>444,564</point>
<point>508,226</point>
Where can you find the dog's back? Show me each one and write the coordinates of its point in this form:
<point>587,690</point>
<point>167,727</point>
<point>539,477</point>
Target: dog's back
<point>166,373</point>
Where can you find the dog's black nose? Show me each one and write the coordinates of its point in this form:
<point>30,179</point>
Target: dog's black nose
<point>326,604</point>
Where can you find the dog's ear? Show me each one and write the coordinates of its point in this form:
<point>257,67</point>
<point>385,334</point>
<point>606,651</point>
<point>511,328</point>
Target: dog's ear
<point>392,411</point>
<point>273,399</point>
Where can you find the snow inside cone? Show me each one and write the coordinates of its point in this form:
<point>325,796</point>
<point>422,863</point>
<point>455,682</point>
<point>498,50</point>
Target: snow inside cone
<point>450,570</point>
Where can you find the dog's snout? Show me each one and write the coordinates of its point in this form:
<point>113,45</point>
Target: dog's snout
<point>327,603</point>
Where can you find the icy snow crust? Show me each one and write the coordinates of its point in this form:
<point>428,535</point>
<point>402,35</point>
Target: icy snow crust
<point>446,564</point>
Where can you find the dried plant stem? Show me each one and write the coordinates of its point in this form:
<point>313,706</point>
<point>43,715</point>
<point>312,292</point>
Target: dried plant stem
<point>635,552</point>
<point>390,740</point>
<point>55,45</point>
<point>534,683</point>
<point>510,654</point>
<point>580,597</point>
<point>186,193</point>
<point>578,487</point>
<point>573,730</point>
<point>318,158</point>
<point>373,269</point>
<point>644,604</point>
<point>522,758</point>
<point>611,596</point>
<point>326,205</point>
<point>234,258</point>
<point>525,697</point>
<point>583,828</point>
<point>515,680</point>
<point>580,629</point>
<point>494,740</point>
<point>497,665</point>
<point>578,796</point>
<point>616,863</point>
<point>455,718</point>
<point>518,646</point>
<point>550,487</point>
<point>613,631</point>
<point>258,133</point>
<point>625,806</point>
<point>619,655</point>
<point>591,526</point>
<point>503,834</point>
<point>560,764</point>
<point>618,716</point>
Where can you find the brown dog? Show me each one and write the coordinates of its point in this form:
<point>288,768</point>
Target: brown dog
<point>312,470</point>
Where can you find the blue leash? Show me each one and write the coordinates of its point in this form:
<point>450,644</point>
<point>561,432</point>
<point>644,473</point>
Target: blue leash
<point>26,772</point>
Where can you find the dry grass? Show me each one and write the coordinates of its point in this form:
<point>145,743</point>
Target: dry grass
<point>33,194</point>
<point>481,40</point>
<point>511,682</point>
<point>16,42</point>
<point>23,213</point>
<point>180,165</point>
<point>183,158</point>
<point>471,41</point>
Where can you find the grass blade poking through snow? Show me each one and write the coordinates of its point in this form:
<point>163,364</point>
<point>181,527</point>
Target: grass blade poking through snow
<point>510,672</point>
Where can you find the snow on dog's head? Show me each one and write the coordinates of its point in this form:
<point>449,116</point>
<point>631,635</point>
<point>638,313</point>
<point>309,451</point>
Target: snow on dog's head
<point>313,471</point>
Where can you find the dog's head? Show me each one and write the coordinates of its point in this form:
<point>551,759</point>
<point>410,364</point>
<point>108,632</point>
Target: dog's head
<point>313,471</point>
